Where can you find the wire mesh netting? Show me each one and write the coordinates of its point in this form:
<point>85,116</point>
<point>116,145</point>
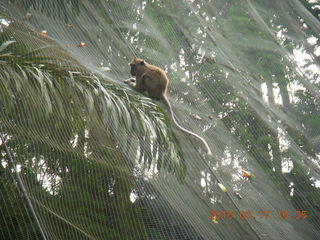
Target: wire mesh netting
<point>83,156</point>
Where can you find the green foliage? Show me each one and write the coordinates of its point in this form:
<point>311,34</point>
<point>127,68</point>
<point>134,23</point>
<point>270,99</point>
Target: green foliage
<point>312,6</point>
<point>94,142</point>
<point>57,8</point>
<point>16,221</point>
<point>65,124</point>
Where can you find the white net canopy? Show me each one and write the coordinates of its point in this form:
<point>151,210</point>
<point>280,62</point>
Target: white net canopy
<point>83,156</point>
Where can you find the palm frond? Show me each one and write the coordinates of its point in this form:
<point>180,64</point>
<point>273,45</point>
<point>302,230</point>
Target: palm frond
<point>54,88</point>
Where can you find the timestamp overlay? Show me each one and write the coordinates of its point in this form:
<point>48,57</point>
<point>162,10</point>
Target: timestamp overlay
<point>260,214</point>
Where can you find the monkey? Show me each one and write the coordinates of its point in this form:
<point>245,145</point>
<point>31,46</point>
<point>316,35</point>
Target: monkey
<point>154,81</point>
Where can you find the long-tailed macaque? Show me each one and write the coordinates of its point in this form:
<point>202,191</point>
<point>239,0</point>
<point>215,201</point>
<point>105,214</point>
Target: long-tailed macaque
<point>155,81</point>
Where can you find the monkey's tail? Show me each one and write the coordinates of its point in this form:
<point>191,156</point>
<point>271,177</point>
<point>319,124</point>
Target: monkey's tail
<point>167,102</point>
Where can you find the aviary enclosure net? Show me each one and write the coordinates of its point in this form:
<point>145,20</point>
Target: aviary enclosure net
<point>83,156</point>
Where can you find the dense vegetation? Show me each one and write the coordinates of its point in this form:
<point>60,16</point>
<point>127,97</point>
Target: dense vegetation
<point>81,143</point>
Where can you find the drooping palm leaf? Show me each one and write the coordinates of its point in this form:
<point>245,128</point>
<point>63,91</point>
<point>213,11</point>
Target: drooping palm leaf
<point>97,161</point>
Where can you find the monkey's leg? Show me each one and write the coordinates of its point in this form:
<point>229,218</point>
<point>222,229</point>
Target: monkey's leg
<point>151,87</point>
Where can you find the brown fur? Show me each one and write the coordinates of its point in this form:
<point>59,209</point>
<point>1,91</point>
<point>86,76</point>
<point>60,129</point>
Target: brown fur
<point>155,81</point>
<point>149,78</point>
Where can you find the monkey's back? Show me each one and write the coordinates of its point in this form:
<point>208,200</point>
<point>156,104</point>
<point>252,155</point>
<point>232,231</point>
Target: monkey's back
<point>159,81</point>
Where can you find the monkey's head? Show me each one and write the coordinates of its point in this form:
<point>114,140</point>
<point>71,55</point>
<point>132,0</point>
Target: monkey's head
<point>135,65</point>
